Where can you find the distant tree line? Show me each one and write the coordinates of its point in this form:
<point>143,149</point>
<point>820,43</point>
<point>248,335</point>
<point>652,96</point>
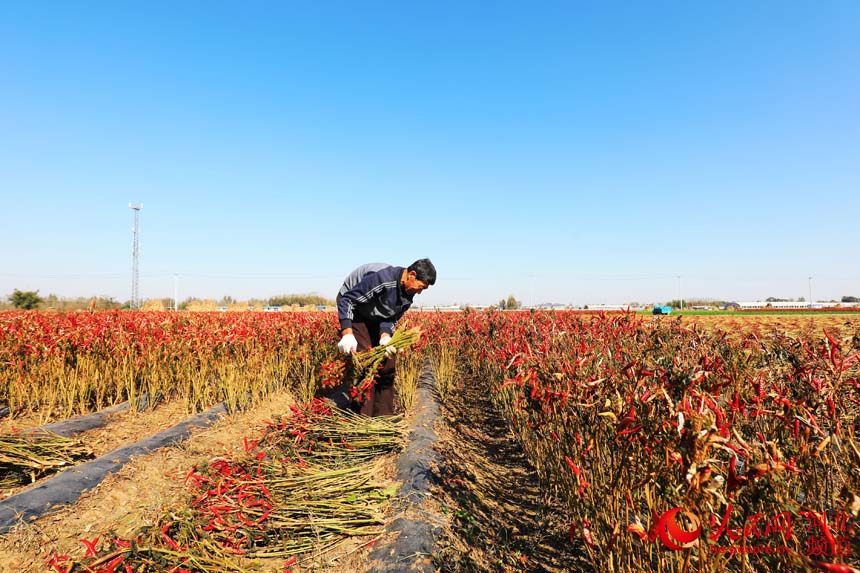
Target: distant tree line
<point>509,304</point>
<point>300,299</point>
<point>283,300</point>
<point>32,300</point>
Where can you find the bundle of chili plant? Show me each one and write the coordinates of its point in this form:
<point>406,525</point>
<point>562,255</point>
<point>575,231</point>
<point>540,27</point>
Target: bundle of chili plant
<point>366,364</point>
<point>318,434</point>
<point>26,457</point>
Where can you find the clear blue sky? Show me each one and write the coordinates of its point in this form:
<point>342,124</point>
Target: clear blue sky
<point>568,152</point>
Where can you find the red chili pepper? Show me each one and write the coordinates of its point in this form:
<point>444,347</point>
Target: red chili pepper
<point>834,345</point>
<point>91,547</point>
<point>632,430</point>
<point>193,475</point>
<point>112,565</point>
<point>737,449</point>
<point>169,540</point>
<point>578,472</point>
<point>573,466</point>
<point>735,481</point>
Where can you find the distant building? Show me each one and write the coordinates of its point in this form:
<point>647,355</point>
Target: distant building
<point>607,307</point>
<point>779,305</point>
<point>553,306</point>
<point>440,308</point>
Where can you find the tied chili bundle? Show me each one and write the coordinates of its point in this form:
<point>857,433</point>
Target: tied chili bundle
<point>361,368</point>
<point>306,484</point>
<point>24,458</point>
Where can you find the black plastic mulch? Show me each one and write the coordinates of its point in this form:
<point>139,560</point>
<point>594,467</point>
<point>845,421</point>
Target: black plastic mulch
<point>410,537</point>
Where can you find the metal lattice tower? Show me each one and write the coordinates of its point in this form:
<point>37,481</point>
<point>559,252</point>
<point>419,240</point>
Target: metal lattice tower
<point>135,255</point>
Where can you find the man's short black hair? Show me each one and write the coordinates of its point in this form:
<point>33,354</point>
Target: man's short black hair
<point>424,271</point>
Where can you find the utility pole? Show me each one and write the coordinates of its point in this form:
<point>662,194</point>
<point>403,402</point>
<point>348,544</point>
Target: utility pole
<point>175,292</point>
<point>135,255</point>
<point>810,292</point>
<point>680,300</point>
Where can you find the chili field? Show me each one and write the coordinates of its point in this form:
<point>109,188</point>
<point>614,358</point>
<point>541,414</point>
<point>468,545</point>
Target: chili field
<point>569,441</point>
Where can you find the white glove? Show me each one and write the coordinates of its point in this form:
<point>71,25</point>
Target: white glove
<point>384,340</point>
<point>348,344</point>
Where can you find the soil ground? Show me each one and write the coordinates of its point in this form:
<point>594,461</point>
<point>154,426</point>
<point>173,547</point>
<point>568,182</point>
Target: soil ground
<point>499,520</point>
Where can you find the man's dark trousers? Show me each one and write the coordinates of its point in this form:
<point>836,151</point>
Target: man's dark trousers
<point>380,402</point>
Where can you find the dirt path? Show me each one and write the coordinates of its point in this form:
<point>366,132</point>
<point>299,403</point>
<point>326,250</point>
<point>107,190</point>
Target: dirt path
<point>499,519</point>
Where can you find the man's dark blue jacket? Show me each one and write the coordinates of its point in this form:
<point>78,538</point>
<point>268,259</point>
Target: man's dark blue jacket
<point>372,293</point>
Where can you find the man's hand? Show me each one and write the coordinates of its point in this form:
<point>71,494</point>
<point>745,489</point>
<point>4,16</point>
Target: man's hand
<point>384,340</point>
<point>348,344</point>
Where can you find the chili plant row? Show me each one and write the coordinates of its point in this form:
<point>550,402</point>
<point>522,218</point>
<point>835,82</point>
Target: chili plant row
<point>676,445</point>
